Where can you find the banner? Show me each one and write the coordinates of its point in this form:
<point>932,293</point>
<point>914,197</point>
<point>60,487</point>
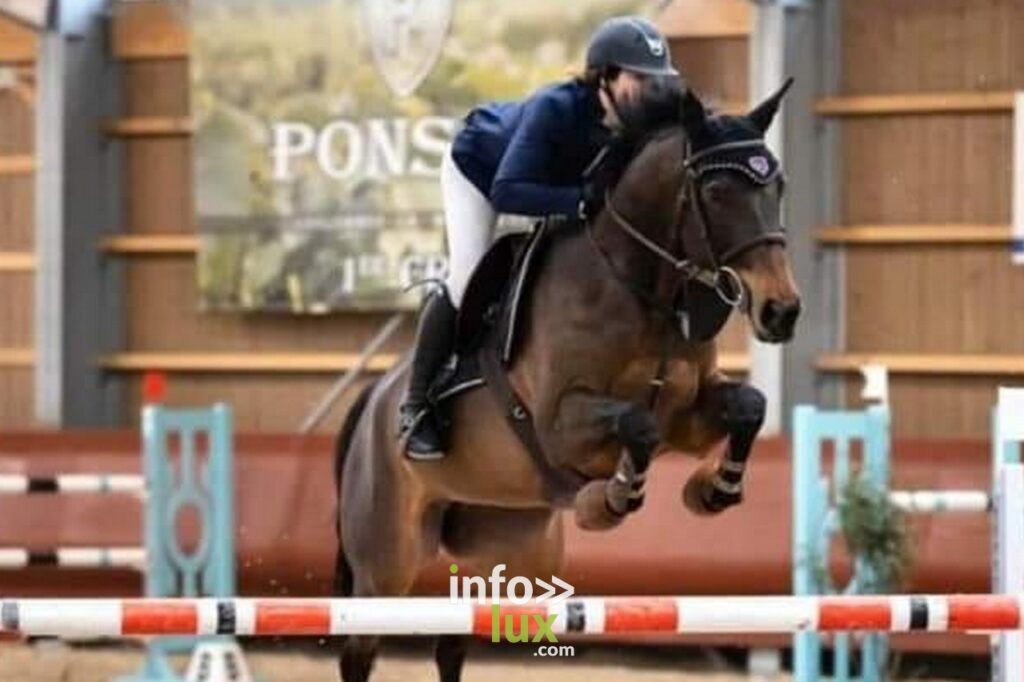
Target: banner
<point>320,128</point>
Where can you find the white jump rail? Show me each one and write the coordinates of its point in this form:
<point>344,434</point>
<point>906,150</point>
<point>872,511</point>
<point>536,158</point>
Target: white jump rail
<point>441,615</point>
<point>74,557</point>
<point>933,501</point>
<point>19,484</point>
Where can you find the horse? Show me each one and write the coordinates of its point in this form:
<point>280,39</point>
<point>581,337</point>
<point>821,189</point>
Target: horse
<point>616,365</point>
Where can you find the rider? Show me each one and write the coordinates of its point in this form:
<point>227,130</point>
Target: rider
<point>524,158</point>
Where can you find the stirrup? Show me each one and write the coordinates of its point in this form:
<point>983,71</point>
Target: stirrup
<point>407,419</point>
<point>407,428</point>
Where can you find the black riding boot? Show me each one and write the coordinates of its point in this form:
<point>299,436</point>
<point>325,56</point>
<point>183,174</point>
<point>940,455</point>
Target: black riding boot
<point>434,338</point>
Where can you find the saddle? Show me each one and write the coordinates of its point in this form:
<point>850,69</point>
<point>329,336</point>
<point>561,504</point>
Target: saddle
<point>491,325</point>
<point>492,309</point>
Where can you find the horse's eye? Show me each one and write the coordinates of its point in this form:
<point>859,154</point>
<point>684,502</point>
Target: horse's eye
<point>718,191</point>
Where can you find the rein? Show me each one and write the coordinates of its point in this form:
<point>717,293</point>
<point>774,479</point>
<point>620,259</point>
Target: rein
<point>688,268</point>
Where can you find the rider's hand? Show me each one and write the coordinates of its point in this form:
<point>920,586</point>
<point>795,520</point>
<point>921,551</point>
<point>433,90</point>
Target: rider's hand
<point>590,201</point>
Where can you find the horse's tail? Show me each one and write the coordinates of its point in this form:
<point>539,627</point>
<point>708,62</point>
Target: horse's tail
<point>342,569</point>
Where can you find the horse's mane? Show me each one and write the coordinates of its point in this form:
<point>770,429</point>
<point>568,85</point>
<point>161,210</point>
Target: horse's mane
<point>657,112</point>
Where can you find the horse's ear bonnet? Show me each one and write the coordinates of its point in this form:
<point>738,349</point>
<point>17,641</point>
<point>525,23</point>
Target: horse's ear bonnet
<point>752,159</point>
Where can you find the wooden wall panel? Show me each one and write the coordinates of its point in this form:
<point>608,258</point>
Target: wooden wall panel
<point>16,310</point>
<point>155,88</point>
<point>17,137</point>
<point>17,410</point>
<point>158,195</point>
<point>934,300</point>
<point>150,29</point>
<point>277,404</point>
<point>896,46</point>
<point>17,209</point>
<point>17,117</point>
<point>18,44</point>
<point>178,324</point>
<point>927,169</point>
<point>158,192</point>
<point>937,169</point>
<point>937,407</point>
<point>17,214</point>
<point>711,20</point>
<point>931,169</point>
<point>717,68</point>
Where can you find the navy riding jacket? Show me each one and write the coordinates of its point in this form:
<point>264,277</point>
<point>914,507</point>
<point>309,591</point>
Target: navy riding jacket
<point>528,157</point>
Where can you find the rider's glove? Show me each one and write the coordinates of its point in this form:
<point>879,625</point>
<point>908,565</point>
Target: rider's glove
<point>591,201</point>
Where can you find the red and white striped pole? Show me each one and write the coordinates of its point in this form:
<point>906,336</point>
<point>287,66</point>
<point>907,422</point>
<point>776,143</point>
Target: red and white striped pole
<point>439,615</point>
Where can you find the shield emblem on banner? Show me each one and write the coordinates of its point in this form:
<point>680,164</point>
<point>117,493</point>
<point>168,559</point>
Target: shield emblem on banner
<point>406,38</point>
<point>759,164</point>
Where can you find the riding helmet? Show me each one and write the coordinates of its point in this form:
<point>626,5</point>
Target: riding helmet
<point>632,44</point>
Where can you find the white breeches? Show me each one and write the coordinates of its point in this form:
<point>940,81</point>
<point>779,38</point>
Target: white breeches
<point>469,223</point>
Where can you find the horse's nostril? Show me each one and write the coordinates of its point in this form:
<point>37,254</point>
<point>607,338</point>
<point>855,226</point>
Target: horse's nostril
<point>778,317</point>
<point>790,315</point>
<point>770,313</point>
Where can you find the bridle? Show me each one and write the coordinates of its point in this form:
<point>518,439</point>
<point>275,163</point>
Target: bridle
<point>698,261</point>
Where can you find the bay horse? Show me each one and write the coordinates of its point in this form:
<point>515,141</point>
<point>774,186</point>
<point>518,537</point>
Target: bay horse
<point>610,372</point>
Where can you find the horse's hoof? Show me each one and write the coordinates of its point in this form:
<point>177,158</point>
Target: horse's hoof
<point>718,501</point>
<point>702,498</point>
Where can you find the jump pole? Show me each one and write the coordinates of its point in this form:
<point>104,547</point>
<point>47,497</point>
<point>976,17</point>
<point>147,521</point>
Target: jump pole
<point>442,616</point>
<point>1008,525</point>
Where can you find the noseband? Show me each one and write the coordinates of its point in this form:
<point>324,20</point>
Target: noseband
<point>699,262</point>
